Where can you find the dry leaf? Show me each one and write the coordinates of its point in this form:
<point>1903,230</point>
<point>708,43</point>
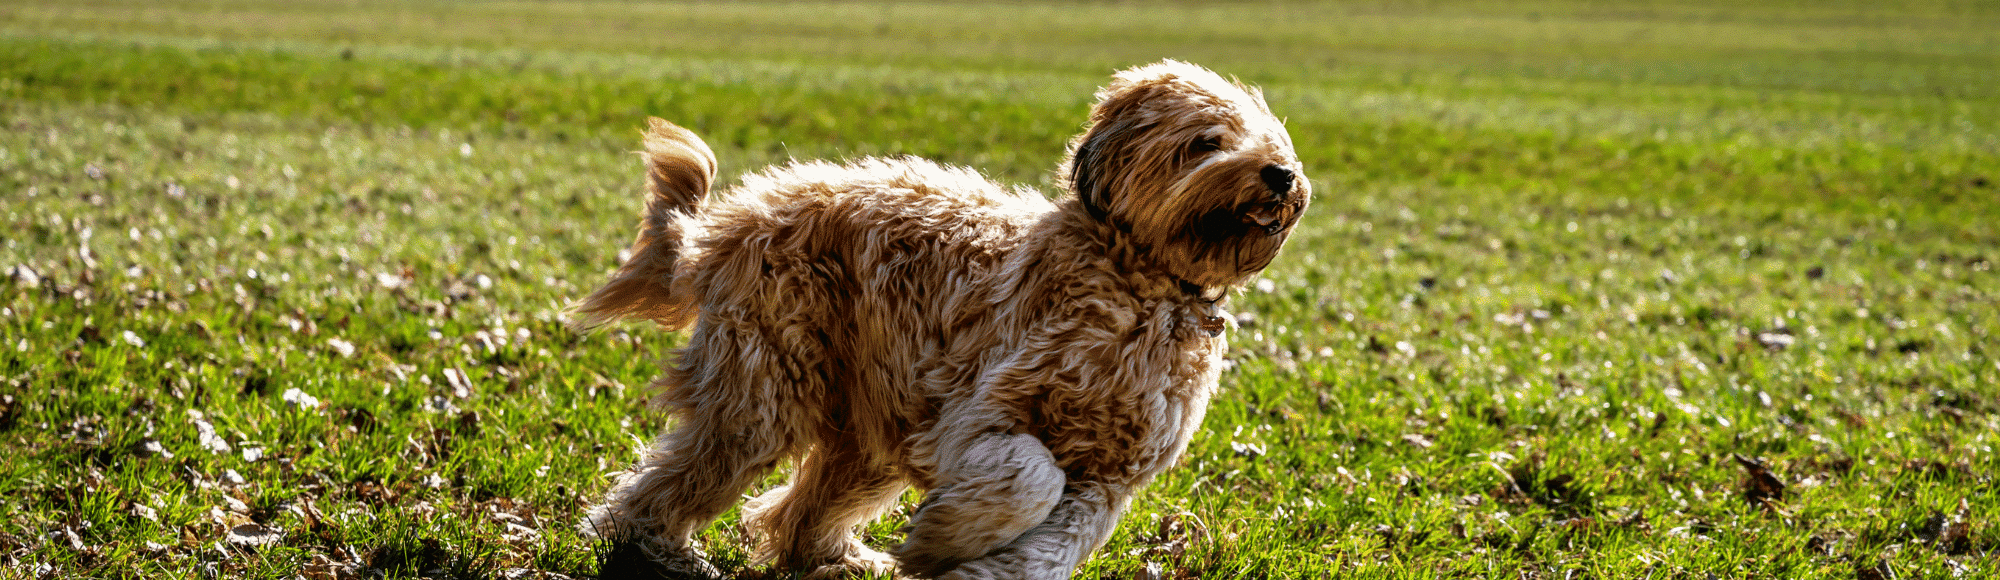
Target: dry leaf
<point>461,386</point>
<point>254,535</point>
<point>1760,486</point>
<point>341,347</point>
<point>300,399</point>
<point>1151,571</point>
<point>205,433</point>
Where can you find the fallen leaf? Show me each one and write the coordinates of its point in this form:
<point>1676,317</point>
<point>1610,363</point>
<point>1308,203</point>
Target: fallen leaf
<point>68,536</point>
<point>1949,534</point>
<point>25,276</point>
<point>1776,339</point>
<point>341,347</point>
<point>299,399</point>
<point>254,535</point>
<point>205,433</point>
<point>323,568</point>
<point>142,511</point>
<point>1760,486</point>
<point>1150,571</point>
<point>519,534</point>
<point>150,447</point>
<point>461,386</point>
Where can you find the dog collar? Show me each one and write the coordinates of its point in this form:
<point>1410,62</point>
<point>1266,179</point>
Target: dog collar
<point>1213,325</point>
<point>1210,325</point>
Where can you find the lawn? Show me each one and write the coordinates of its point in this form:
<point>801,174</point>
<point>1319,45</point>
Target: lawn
<point>1640,290</point>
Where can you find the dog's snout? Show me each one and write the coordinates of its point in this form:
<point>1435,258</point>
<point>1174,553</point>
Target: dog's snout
<point>1278,179</point>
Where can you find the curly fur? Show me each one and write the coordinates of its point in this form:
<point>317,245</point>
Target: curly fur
<point>895,322</point>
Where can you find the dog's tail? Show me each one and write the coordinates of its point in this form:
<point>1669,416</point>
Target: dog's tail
<point>679,170</point>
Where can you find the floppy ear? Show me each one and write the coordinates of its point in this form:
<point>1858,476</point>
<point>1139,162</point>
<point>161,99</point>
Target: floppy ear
<point>1090,164</point>
<point>1102,155</point>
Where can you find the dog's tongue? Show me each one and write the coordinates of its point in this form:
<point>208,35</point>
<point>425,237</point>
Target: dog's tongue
<point>1266,216</point>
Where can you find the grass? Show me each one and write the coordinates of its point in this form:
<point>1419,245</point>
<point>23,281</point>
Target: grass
<point>284,279</point>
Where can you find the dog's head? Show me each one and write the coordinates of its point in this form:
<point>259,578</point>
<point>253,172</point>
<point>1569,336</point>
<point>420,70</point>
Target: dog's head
<point>1194,168</point>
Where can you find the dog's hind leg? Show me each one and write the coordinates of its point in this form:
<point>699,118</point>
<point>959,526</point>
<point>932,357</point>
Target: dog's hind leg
<point>728,433</point>
<point>810,523</point>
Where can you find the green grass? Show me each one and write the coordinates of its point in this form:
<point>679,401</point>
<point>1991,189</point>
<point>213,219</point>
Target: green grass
<point>1569,260</point>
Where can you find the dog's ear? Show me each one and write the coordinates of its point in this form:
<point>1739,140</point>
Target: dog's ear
<point>1089,165</point>
<point>1101,159</point>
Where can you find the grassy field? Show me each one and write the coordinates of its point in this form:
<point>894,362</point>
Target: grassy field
<point>1691,289</point>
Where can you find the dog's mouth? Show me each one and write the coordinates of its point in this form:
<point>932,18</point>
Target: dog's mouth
<point>1245,228</point>
<point>1272,217</point>
<point>1269,216</point>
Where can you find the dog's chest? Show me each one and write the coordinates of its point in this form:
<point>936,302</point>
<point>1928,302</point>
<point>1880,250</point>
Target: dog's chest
<point>1136,423</point>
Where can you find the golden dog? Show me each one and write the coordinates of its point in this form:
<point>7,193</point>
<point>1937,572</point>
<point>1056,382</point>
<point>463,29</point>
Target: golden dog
<point>894,322</point>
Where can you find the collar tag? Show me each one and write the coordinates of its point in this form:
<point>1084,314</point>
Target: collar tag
<point>1212,325</point>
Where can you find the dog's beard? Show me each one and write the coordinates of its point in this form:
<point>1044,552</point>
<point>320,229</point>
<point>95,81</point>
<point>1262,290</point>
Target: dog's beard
<point>1220,224</point>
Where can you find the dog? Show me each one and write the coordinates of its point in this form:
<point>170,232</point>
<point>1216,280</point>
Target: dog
<point>1030,363</point>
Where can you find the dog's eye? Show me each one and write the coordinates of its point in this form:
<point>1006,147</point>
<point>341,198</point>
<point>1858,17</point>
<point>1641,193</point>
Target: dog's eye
<point>1205,144</point>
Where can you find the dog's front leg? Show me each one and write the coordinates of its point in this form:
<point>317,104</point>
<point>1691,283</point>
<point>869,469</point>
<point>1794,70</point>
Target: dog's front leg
<point>1080,522</point>
<point>997,488</point>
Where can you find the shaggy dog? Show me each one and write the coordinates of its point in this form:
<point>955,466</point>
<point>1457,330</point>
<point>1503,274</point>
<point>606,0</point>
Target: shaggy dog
<point>895,322</point>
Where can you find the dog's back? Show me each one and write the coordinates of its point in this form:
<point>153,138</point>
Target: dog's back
<point>857,273</point>
<point>797,227</point>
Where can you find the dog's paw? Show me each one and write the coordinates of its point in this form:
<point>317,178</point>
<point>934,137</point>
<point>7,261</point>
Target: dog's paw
<point>859,562</point>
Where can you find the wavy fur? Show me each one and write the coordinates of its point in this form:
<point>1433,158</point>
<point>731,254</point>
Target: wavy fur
<point>894,322</point>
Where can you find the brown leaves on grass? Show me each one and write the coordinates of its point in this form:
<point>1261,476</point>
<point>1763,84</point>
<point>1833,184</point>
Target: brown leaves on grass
<point>323,568</point>
<point>1950,534</point>
<point>254,535</point>
<point>425,554</point>
<point>1150,571</point>
<point>368,490</point>
<point>1528,483</point>
<point>1872,569</point>
<point>1934,470</point>
<point>1760,486</point>
<point>1176,534</point>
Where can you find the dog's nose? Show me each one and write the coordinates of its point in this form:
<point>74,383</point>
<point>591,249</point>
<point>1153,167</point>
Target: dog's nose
<point>1278,179</point>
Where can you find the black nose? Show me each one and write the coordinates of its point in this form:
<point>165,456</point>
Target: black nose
<point>1278,179</point>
